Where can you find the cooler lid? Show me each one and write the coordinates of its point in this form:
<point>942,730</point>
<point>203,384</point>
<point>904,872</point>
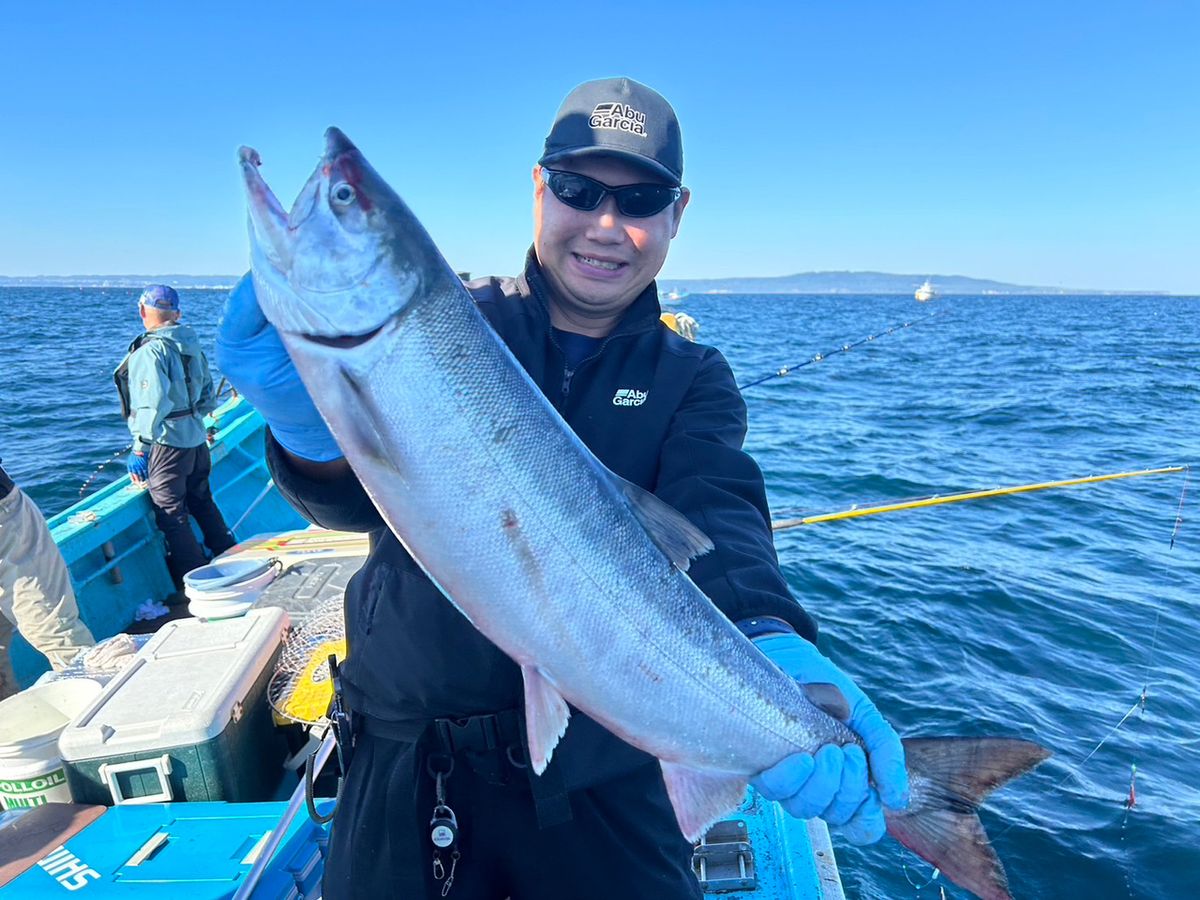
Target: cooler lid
<point>182,688</point>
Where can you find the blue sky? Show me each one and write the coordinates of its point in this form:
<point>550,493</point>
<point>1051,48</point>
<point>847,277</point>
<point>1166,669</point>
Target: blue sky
<point>1047,143</point>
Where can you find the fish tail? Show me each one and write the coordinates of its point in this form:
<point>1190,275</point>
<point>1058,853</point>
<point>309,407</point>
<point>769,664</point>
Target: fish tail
<point>950,776</point>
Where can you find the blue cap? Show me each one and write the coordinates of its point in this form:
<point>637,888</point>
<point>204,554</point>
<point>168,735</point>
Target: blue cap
<point>160,296</point>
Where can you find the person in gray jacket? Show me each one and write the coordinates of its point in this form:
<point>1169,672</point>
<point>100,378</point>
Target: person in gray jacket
<point>166,390</point>
<point>36,595</point>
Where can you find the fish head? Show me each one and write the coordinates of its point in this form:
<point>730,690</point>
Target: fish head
<point>341,263</point>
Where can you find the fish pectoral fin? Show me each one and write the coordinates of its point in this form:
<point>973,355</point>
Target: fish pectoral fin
<point>672,532</point>
<point>828,698</point>
<point>701,797</point>
<point>546,714</point>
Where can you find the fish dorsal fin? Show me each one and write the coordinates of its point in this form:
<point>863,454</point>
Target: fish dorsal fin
<point>672,532</point>
<point>546,714</point>
<point>701,797</point>
<point>828,698</point>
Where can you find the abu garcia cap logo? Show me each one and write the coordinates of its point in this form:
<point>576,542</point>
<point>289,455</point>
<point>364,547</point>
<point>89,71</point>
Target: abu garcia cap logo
<point>618,117</point>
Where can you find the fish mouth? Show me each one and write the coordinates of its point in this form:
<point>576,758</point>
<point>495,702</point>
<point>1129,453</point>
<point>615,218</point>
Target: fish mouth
<point>274,228</point>
<point>344,341</point>
<point>352,341</point>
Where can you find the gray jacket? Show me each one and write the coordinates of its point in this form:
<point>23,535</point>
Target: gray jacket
<point>166,388</point>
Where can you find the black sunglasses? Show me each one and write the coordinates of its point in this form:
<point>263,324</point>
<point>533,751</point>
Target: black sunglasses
<point>636,201</point>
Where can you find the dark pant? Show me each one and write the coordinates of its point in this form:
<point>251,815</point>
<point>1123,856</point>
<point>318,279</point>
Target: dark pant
<point>622,840</point>
<point>179,487</point>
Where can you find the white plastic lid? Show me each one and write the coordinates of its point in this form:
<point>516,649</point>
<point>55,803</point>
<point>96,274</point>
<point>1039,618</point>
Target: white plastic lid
<point>44,710</point>
<point>227,580</point>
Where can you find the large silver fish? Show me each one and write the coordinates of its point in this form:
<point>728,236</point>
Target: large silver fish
<point>576,574</point>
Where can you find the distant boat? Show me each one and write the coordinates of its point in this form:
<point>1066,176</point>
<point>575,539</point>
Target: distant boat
<point>925,292</point>
<point>672,296</point>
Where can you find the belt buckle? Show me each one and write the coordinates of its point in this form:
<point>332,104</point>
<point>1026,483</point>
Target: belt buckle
<point>477,733</point>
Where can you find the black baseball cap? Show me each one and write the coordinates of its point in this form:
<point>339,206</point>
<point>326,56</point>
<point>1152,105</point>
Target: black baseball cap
<point>618,117</point>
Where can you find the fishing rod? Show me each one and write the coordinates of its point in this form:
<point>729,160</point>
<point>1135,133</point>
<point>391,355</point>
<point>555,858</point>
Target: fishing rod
<point>937,500</point>
<point>787,370</point>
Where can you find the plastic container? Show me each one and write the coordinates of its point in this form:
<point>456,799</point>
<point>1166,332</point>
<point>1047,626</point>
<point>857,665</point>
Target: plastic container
<point>31,769</point>
<point>179,851</point>
<point>227,588</point>
<point>187,720</point>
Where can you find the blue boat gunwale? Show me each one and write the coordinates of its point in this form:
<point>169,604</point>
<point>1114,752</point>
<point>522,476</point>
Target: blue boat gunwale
<point>115,553</point>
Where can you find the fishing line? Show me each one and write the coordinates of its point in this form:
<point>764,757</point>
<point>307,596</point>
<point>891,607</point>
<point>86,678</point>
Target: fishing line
<point>1179,511</point>
<point>920,887</point>
<point>100,468</point>
<point>1078,769</point>
<point>1131,797</point>
<point>1138,707</point>
<point>787,370</point>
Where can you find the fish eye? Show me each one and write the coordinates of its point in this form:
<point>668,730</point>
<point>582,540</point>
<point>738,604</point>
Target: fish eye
<point>343,194</point>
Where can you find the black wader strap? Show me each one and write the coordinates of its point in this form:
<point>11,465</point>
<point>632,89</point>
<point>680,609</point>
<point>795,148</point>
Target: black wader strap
<point>551,801</point>
<point>185,362</point>
<point>121,380</point>
<point>550,798</point>
<point>490,733</point>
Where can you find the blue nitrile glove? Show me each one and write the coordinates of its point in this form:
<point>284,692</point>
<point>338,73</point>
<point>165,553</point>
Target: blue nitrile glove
<point>252,357</point>
<point>833,784</point>
<point>138,465</point>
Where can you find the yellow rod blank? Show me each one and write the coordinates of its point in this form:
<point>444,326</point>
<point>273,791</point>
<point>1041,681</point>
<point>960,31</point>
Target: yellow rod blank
<point>856,511</point>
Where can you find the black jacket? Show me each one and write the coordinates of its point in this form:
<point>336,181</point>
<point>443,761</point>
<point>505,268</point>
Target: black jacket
<point>6,483</point>
<point>658,410</point>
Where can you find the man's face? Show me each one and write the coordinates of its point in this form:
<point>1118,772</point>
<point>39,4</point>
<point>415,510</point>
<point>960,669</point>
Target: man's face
<point>598,261</point>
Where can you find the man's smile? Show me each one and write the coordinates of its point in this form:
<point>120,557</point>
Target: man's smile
<point>599,265</point>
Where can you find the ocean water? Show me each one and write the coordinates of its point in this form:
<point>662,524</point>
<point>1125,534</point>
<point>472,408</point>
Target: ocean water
<point>1041,615</point>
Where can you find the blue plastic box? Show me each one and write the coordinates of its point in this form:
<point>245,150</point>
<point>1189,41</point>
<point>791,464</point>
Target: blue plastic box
<point>190,851</point>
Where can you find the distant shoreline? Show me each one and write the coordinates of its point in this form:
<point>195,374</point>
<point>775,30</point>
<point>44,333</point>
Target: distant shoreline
<point>808,283</point>
<point>182,282</point>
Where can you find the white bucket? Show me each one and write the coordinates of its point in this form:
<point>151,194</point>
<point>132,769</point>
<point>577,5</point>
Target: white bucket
<point>227,588</point>
<point>31,770</point>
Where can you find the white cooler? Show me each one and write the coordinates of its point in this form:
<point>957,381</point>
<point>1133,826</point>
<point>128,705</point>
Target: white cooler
<point>187,720</point>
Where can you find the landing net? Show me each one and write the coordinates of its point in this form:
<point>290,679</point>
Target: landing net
<point>300,688</point>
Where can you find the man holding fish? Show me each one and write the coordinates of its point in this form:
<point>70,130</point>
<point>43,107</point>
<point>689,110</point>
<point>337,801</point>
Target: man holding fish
<point>569,557</point>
